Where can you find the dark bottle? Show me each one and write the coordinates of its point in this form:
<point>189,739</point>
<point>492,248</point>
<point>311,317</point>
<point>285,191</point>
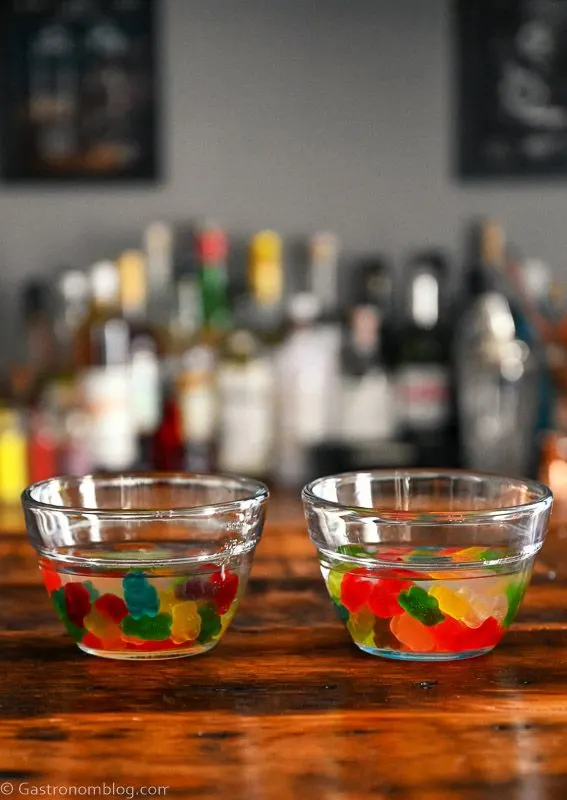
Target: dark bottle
<point>423,376</point>
<point>373,287</point>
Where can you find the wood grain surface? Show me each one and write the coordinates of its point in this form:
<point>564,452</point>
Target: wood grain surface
<point>285,706</point>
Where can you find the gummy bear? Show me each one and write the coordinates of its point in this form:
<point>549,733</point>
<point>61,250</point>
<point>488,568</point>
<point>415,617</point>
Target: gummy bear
<point>210,624</point>
<point>450,602</point>
<point>92,641</point>
<point>514,594</point>
<point>104,627</point>
<point>451,636</point>
<point>225,586</point>
<point>361,628</point>
<point>112,606</point>
<point>58,598</point>
<point>383,599</point>
<point>194,589</point>
<point>341,611</point>
<point>420,605</point>
<point>487,635</point>
<point>334,580</point>
<point>51,579</point>
<point>186,622</point>
<point>77,603</point>
<point>141,597</point>
<point>146,627</point>
<point>356,586</point>
<point>412,633</point>
<point>91,589</point>
<point>483,604</point>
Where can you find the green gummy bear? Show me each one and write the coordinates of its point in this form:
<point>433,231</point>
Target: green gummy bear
<point>141,597</point>
<point>58,598</point>
<point>417,602</point>
<point>92,590</point>
<point>210,624</point>
<point>514,595</point>
<point>154,629</point>
<point>355,550</point>
<point>341,611</point>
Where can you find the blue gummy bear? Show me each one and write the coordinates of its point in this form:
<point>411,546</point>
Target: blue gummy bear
<point>141,597</point>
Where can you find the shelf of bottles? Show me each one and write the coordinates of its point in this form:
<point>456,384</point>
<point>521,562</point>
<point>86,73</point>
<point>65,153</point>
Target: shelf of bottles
<point>156,360</point>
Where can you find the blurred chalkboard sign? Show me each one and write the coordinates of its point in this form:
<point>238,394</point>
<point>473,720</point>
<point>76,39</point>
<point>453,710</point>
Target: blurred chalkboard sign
<point>512,62</point>
<point>78,90</point>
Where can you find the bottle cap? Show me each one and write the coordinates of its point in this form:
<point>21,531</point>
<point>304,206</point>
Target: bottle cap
<point>324,246</point>
<point>211,243</point>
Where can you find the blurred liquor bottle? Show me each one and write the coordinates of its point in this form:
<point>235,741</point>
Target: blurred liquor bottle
<point>368,412</point>
<point>303,389</point>
<point>103,350</point>
<point>324,262</point>
<point>196,380</point>
<point>211,247</point>
<point>41,348</point>
<point>159,253</point>
<point>498,365</point>
<point>14,474</point>
<point>423,375</point>
<point>246,371</point>
<point>143,354</point>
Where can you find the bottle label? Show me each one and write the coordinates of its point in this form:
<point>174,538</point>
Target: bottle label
<point>145,392</point>
<point>368,409</point>
<point>107,400</point>
<point>246,417</point>
<point>423,394</point>
<point>198,407</point>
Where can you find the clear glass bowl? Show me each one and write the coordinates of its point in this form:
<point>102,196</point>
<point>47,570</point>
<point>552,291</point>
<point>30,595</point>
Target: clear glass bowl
<point>423,565</point>
<point>145,565</point>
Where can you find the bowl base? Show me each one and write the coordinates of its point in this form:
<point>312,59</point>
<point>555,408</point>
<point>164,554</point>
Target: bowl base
<point>398,655</point>
<point>147,655</point>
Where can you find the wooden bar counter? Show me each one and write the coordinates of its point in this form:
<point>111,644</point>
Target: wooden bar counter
<point>285,707</point>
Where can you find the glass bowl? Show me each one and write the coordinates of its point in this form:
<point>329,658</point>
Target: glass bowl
<point>145,565</point>
<point>422,565</point>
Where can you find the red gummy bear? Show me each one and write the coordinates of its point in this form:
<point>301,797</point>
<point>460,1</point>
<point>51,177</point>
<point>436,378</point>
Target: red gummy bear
<point>451,636</point>
<point>92,641</point>
<point>77,603</point>
<point>113,606</point>
<point>487,635</point>
<point>356,586</point>
<point>455,637</point>
<point>225,586</point>
<point>51,579</point>
<point>383,599</point>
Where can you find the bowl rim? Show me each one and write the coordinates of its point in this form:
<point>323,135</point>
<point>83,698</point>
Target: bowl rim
<point>407,517</point>
<point>258,493</point>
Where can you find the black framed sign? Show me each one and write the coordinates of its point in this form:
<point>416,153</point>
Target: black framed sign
<point>79,93</point>
<point>512,88</point>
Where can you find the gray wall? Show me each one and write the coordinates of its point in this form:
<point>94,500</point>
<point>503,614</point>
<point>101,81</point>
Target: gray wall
<point>296,114</point>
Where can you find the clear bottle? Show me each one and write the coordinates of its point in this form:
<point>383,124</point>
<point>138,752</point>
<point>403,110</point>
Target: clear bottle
<point>247,374</point>
<point>303,388</point>
<point>499,366</point>
<point>196,380</point>
<point>103,350</point>
<point>144,351</point>
<point>368,413</point>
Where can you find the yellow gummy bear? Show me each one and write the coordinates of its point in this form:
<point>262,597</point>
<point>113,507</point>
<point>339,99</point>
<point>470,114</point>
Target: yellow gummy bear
<point>451,602</point>
<point>186,622</point>
<point>361,628</point>
<point>167,600</point>
<point>103,627</point>
<point>469,554</point>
